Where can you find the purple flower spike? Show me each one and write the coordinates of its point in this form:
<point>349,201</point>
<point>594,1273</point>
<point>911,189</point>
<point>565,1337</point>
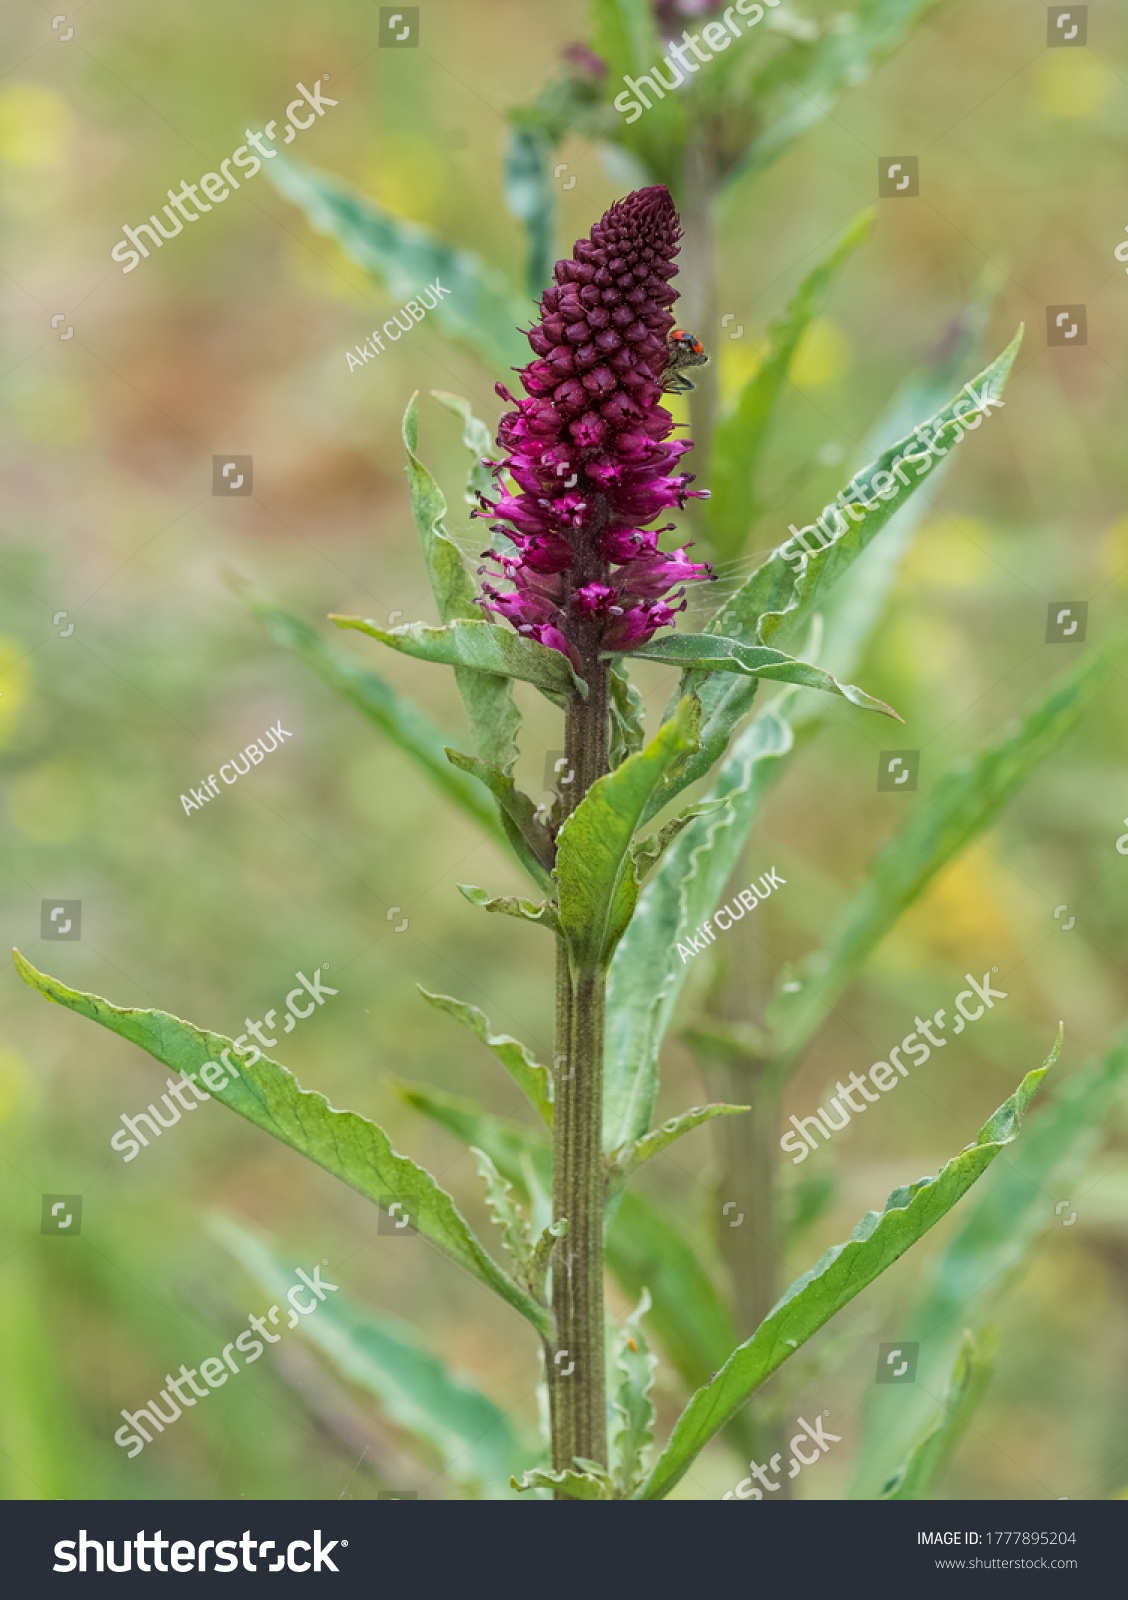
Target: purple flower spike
<point>589,449</point>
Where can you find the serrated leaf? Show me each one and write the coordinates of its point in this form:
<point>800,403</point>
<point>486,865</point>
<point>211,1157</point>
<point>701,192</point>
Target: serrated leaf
<point>739,437</point>
<point>647,853</point>
<point>475,1441</point>
<point>356,1151</point>
<point>406,724</point>
<point>932,1452</point>
<point>997,1232</point>
<point>627,1162</point>
<point>709,652</point>
<point>481,309</point>
<point>597,881</point>
<point>576,1485</point>
<point>771,599</point>
<point>540,1260</point>
<point>647,974</point>
<point>530,197</point>
<point>478,440</point>
<point>627,712</point>
<point>545,915</point>
<point>631,1440</point>
<point>844,1271</point>
<point>529,837</point>
<point>531,1078</point>
<point>961,806</point>
<point>506,1211</point>
<point>778,599</point>
<point>485,646</point>
<point>487,696</point>
<point>644,1248</point>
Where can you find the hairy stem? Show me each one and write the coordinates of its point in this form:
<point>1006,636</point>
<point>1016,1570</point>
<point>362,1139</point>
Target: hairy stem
<point>575,1363</point>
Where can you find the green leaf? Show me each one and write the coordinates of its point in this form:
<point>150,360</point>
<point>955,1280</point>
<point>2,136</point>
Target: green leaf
<point>801,86</point>
<point>530,1077</point>
<point>480,310</point>
<point>545,915</point>
<point>475,1441</point>
<point>631,1440</point>
<point>931,1453</point>
<point>598,883</point>
<point>506,1212</point>
<point>646,853</point>
<point>347,1145</point>
<point>627,712</point>
<point>397,716</point>
<point>485,646</point>
<point>854,607</point>
<point>998,1230</point>
<point>778,599</point>
<point>843,1272</point>
<point>625,36</point>
<point>739,437</point>
<point>627,1162</point>
<point>529,837</point>
<point>775,605</point>
<point>647,973</point>
<point>487,695</point>
<point>708,652</point>
<point>644,1248</point>
<point>576,1485</point>
<point>961,806</point>
<point>529,196</point>
<point>478,440</point>
<point>542,1251</point>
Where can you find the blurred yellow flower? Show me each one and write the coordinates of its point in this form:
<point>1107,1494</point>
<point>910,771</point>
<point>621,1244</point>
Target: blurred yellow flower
<point>15,682</point>
<point>36,125</point>
<point>408,176</point>
<point>1069,83</point>
<point>950,552</point>
<point>823,357</point>
<point>737,361</point>
<point>1114,553</point>
<point>17,1086</point>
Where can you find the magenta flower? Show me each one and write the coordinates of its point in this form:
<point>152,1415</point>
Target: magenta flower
<point>589,450</point>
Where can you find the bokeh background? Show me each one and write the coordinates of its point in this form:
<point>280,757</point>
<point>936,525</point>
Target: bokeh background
<point>233,339</point>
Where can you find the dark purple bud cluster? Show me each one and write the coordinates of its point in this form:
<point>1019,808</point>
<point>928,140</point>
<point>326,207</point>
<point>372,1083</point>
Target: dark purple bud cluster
<point>589,450</point>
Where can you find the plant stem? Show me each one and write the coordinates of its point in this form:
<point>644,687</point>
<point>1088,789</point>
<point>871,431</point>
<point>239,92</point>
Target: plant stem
<point>576,1396</point>
<point>698,310</point>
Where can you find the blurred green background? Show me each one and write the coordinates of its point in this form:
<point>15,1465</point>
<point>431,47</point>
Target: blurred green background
<point>233,339</point>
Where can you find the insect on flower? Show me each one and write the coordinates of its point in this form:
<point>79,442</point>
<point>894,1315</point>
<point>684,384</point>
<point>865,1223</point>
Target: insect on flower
<point>682,350</point>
